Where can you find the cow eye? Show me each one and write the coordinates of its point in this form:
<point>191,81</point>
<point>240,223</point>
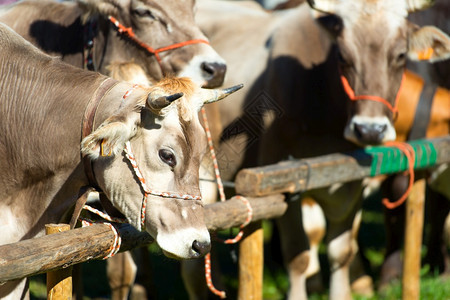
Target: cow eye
<point>342,59</point>
<point>168,157</point>
<point>401,57</point>
<point>144,12</point>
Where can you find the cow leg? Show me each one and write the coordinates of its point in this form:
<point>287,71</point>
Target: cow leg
<point>121,272</point>
<point>361,282</point>
<point>394,223</point>
<point>144,286</point>
<point>295,249</point>
<point>341,250</point>
<point>193,271</point>
<point>14,290</point>
<point>193,274</point>
<point>340,204</point>
<point>438,209</point>
<point>315,227</point>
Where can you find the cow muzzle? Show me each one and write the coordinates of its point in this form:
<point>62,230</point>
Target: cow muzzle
<point>178,227</point>
<point>185,244</point>
<point>213,73</point>
<point>366,131</point>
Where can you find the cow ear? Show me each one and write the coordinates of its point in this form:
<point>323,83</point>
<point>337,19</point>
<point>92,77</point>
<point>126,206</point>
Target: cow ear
<point>428,43</point>
<point>110,137</point>
<point>332,23</point>
<point>102,7</point>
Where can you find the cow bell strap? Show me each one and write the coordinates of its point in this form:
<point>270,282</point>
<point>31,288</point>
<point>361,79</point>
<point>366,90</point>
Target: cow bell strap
<point>423,112</point>
<point>88,124</point>
<point>81,201</point>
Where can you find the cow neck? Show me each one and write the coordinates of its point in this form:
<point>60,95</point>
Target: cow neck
<point>88,125</point>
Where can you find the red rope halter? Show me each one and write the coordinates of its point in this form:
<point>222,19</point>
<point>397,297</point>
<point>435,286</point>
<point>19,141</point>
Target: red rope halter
<point>220,187</point>
<point>351,94</point>
<point>128,31</point>
<point>404,147</point>
<point>411,156</point>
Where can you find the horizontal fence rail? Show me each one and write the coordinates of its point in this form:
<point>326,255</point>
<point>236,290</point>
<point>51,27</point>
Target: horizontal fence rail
<point>322,171</point>
<point>262,186</point>
<point>61,250</point>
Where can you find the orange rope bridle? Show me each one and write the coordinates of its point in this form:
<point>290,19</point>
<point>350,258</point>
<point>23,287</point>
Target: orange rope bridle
<point>411,156</point>
<point>404,147</point>
<point>351,94</point>
<point>220,187</point>
<point>128,32</point>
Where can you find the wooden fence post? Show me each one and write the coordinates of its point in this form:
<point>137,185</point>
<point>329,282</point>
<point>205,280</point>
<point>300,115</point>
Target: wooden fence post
<point>251,262</point>
<point>413,241</point>
<point>59,282</point>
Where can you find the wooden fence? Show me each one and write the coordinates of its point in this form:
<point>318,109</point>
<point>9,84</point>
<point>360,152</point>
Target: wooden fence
<point>263,186</point>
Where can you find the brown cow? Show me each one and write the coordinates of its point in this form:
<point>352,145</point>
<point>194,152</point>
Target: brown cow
<point>438,192</point>
<point>415,91</point>
<point>295,103</point>
<point>82,34</point>
<point>439,125</point>
<point>45,103</point>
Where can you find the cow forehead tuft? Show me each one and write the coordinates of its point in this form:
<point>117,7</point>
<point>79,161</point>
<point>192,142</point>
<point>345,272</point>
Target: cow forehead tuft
<point>174,85</point>
<point>393,12</point>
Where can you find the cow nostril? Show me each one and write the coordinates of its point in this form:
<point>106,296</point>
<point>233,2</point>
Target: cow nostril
<point>208,68</point>
<point>379,128</point>
<point>360,130</point>
<point>370,133</point>
<point>201,248</point>
<point>214,73</point>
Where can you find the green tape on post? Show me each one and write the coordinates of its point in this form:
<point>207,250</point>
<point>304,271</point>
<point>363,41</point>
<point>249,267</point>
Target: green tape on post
<point>388,160</point>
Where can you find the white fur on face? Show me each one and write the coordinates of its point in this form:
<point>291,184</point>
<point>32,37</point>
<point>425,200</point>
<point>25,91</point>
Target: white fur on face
<point>10,227</point>
<point>178,244</point>
<point>194,70</point>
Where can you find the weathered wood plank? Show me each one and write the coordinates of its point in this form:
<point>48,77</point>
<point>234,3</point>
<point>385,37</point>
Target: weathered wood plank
<point>413,241</point>
<point>61,250</point>
<point>251,263</point>
<point>322,171</point>
<point>59,282</point>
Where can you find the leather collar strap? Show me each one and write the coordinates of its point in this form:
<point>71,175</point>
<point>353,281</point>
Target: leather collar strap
<point>88,124</point>
<point>423,112</point>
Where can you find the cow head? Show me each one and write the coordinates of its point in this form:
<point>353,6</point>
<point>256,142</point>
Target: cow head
<point>374,40</point>
<point>159,24</point>
<point>161,126</point>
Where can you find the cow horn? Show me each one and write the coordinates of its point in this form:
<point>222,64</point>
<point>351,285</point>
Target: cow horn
<point>218,94</point>
<point>158,102</point>
<point>326,6</point>
<point>415,5</point>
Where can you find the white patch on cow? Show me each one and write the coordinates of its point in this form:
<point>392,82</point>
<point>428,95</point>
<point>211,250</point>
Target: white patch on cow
<point>169,28</point>
<point>184,214</point>
<point>10,227</point>
<point>394,12</point>
<point>371,185</point>
<point>389,133</point>
<point>334,187</point>
<point>314,223</point>
<point>194,70</point>
<point>194,207</point>
<point>179,243</point>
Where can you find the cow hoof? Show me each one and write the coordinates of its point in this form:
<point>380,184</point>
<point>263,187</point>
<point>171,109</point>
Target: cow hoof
<point>363,286</point>
<point>391,269</point>
<point>138,293</point>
